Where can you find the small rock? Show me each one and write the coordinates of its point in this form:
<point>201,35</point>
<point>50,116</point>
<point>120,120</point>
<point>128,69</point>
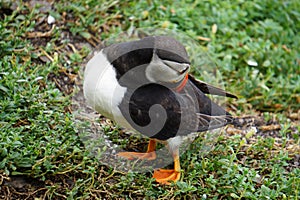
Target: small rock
<point>50,20</point>
<point>252,63</point>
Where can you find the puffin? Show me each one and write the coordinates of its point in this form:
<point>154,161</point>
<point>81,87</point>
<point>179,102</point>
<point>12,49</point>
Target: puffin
<point>145,86</point>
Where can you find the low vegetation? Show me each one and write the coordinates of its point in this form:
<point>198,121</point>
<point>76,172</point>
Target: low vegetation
<point>251,47</point>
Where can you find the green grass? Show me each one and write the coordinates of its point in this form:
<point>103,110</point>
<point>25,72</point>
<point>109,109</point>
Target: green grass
<point>39,138</point>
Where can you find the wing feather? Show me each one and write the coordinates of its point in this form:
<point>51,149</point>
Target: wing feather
<point>207,122</point>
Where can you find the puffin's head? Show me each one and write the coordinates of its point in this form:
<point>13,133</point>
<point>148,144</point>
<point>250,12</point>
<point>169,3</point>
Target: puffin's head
<point>169,63</point>
<point>166,71</point>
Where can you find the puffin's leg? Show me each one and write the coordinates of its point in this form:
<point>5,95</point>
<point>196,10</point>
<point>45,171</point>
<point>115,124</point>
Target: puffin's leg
<point>149,155</point>
<point>166,176</point>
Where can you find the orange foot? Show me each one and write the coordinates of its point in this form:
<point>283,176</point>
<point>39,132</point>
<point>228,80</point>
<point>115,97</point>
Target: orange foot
<point>149,155</point>
<point>136,155</point>
<point>166,176</point>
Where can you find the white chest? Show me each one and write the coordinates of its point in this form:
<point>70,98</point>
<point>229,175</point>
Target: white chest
<point>101,88</point>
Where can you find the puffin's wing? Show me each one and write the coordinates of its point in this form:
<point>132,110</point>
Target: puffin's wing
<point>206,122</point>
<point>137,106</point>
<point>209,89</point>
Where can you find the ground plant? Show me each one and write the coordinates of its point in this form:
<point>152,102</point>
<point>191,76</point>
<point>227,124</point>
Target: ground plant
<point>255,46</point>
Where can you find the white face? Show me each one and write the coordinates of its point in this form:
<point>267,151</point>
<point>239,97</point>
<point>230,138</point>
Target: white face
<point>165,71</point>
